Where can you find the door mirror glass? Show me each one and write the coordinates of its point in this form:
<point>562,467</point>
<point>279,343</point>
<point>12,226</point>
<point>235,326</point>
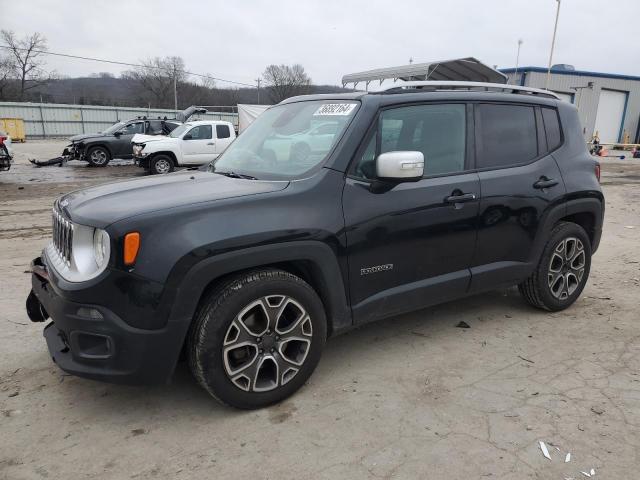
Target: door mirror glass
<point>400,166</point>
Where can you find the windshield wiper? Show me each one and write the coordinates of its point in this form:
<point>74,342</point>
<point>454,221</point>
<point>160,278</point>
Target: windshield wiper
<point>235,175</point>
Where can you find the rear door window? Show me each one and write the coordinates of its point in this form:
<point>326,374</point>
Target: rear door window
<point>505,135</point>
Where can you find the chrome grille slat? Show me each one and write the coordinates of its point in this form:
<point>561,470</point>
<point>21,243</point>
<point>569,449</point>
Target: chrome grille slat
<point>62,235</point>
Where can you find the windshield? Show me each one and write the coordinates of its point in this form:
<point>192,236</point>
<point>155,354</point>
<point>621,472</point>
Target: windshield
<point>287,141</point>
<point>176,132</point>
<point>114,128</point>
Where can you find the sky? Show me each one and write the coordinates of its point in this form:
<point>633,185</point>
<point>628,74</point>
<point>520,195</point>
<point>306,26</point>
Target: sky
<point>236,40</point>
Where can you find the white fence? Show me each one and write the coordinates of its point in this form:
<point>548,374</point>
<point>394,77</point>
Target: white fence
<point>42,120</point>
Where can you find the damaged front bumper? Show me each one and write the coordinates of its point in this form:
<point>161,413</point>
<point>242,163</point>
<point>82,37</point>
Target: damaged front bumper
<point>91,341</point>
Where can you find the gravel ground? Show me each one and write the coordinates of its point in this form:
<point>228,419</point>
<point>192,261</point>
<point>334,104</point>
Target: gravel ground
<point>409,397</point>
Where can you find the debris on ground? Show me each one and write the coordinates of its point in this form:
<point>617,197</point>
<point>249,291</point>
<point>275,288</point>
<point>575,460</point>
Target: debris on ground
<point>525,359</point>
<point>597,410</point>
<point>567,459</point>
<point>463,324</point>
<point>544,449</point>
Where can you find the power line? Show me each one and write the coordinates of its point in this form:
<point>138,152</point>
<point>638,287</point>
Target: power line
<point>127,64</point>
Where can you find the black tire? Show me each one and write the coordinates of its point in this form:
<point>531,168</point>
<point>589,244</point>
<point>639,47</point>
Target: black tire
<point>161,164</point>
<point>266,359</point>
<point>545,289</point>
<point>98,157</point>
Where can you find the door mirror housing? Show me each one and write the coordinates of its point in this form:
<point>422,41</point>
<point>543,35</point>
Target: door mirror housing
<point>187,137</point>
<point>118,133</point>
<point>400,166</point>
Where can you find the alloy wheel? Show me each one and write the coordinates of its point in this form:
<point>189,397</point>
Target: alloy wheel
<point>267,343</point>
<point>98,156</point>
<point>566,268</point>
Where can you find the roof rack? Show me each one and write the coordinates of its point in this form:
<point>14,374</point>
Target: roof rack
<point>470,86</point>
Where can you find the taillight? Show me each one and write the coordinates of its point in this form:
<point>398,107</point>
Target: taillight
<point>598,171</point>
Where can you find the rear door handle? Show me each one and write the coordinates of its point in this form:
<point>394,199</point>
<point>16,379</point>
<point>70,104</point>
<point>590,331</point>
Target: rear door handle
<point>544,182</point>
<point>460,198</point>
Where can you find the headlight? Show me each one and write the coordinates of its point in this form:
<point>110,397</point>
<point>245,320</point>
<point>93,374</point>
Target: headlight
<point>100,247</point>
<point>78,252</point>
<point>137,150</point>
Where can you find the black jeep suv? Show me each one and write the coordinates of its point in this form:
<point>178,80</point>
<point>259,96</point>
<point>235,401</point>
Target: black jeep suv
<point>413,197</point>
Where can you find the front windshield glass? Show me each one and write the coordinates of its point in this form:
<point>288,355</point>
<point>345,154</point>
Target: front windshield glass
<point>287,140</point>
<point>114,128</point>
<point>176,132</point>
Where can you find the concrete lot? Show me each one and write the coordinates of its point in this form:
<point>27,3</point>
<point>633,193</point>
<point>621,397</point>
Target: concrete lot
<point>409,397</point>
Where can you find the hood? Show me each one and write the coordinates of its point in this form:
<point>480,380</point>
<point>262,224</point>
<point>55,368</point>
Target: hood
<point>84,136</point>
<point>103,205</point>
<point>142,138</point>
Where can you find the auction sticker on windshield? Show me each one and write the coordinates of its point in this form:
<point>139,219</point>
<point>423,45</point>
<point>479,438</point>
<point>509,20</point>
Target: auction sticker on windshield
<point>335,109</point>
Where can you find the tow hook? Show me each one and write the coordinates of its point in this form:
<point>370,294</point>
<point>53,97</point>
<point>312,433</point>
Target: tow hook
<point>35,310</point>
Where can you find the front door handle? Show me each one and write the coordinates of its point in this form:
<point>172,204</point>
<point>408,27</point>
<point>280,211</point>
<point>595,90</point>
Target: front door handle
<point>544,182</point>
<point>211,143</point>
<point>459,197</point>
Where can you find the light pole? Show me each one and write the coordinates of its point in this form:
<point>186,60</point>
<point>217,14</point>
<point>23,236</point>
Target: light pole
<point>515,75</point>
<point>553,43</point>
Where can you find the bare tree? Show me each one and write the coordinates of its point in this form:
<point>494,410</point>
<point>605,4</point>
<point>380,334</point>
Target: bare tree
<point>157,78</point>
<point>284,81</point>
<point>7,70</point>
<point>28,59</point>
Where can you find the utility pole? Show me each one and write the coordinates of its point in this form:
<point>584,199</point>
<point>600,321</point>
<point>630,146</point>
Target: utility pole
<point>258,80</point>
<point>175,89</point>
<point>515,75</point>
<point>553,43</point>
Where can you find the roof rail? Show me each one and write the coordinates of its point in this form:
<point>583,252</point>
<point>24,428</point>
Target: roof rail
<point>470,86</point>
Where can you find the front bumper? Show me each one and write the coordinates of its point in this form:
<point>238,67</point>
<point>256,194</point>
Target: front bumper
<point>91,341</point>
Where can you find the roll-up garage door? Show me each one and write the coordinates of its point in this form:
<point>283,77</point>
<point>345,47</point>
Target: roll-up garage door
<point>610,116</point>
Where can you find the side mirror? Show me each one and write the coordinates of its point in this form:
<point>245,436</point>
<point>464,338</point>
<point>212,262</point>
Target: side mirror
<point>118,133</point>
<point>187,137</point>
<point>397,167</point>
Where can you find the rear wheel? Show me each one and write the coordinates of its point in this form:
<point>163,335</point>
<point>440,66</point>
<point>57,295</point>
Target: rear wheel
<point>562,272</point>
<point>257,338</point>
<point>161,164</point>
<point>98,157</point>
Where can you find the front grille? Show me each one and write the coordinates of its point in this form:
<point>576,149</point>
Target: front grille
<point>62,235</point>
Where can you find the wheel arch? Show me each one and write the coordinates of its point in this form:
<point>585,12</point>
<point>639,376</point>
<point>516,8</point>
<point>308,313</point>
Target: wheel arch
<point>87,148</point>
<point>313,261</point>
<point>168,153</point>
<point>588,212</point>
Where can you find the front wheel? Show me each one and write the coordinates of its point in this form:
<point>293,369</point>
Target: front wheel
<point>161,164</point>
<point>98,157</point>
<point>562,272</point>
<point>257,338</point>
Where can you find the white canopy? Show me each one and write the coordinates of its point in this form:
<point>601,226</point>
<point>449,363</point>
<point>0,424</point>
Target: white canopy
<point>247,114</point>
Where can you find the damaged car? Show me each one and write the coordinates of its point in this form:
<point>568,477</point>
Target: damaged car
<point>115,142</point>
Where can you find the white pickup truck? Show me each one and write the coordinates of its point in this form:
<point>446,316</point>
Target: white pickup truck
<point>192,143</point>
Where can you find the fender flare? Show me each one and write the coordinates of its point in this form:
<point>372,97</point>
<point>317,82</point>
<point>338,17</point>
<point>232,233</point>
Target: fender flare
<point>591,205</point>
<point>328,277</point>
<point>98,144</point>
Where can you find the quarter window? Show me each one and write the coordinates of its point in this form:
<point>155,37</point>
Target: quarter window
<point>222,131</point>
<point>506,135</point>
<point>552,128</point>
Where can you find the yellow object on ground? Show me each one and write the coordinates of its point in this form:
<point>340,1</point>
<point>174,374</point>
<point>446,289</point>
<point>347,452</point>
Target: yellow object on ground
<point>14,127</point>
